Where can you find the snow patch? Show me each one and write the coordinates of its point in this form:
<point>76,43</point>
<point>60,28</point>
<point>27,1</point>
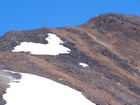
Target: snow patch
<point>54,47</point>
<point>10,71</point>
<point>35,90</point>
<point>12,79</point>
<point>83,64</point>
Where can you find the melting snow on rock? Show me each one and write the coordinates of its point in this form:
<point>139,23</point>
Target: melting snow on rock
<point>54,46</point>
<point>83,64</point>
<point>35,90</point>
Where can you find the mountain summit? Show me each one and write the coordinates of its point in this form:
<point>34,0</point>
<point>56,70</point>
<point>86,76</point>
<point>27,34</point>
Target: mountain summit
<point>100,58</point>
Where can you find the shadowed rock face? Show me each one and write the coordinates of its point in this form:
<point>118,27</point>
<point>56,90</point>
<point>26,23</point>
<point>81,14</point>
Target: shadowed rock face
<point>108,43</point>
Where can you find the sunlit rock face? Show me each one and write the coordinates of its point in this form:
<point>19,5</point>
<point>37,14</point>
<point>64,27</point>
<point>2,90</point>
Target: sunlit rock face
<point>100,58</point>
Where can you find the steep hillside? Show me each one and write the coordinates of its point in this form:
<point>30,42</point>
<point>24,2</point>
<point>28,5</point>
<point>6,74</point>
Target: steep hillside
<point>108,44</point>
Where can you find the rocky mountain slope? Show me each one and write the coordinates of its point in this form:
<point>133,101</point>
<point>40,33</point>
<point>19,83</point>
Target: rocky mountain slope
<point>109,44</point>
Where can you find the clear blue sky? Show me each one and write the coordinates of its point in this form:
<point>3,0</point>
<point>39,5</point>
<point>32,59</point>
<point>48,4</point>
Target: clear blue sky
<point>30,14</point>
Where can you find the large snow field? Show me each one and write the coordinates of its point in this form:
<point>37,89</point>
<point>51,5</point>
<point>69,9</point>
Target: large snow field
<point>36,90</point>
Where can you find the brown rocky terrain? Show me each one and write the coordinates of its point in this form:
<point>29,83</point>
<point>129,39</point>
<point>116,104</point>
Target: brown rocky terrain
<point>108,43</point>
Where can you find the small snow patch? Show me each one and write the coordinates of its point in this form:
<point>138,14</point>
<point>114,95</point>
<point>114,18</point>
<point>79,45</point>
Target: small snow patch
<point>83,64</point>
<point>54,47</point>
<point>10,71</point>
<point>11,78</point>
